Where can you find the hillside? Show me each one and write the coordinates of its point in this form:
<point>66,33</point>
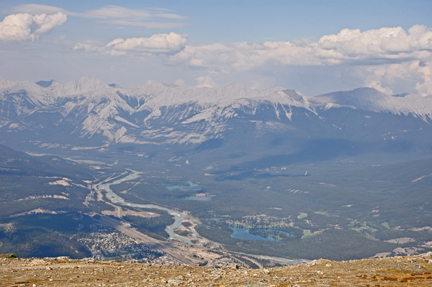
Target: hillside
<point>41,204</point>
<point>395,271</point>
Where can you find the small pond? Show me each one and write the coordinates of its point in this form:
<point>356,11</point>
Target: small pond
<point>244,234</point>
<point>190,187</point>
<point>196,198</point>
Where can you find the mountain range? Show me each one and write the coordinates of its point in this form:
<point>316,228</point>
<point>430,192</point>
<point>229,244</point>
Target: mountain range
<point>88,112</point>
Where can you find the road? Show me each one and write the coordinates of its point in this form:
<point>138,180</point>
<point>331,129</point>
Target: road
<point>169,248</point>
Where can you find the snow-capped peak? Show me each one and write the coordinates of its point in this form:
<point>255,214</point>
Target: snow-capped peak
<point>362,98</point>
<point>158,94</point>
<point>372,100</point>
<point>82,85</point>
<point>6,83</point>
<point>182,114</point>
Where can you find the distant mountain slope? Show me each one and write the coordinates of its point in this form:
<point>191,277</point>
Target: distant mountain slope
<point>372,100</point>
<point>87,107</point>
<point>22,176</point>
<point>87,112</point>
<point>20,163</point>
<point>41,200</point>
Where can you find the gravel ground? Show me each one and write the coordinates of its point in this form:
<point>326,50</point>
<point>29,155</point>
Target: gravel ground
<point>404,271</point>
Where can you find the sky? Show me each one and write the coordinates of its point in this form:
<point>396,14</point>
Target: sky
<point>312,46</point>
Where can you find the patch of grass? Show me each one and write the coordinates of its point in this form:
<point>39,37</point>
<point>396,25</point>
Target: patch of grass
<point>386,225</point>
<point>186,224</point>
<point>8,255</point>
<point>302,215</point>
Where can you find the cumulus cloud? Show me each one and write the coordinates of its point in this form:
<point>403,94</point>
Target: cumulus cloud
<point>386,56</point>
<point>23,27</point>
<point>348,46</point>
<point>388,59</point>
<point>110,14</point>
<point>179,82</point>
<point>156,44</point>
<point>204,82</point>
<point>245,55</point>
<point>414,75</point>
<point>161,43</point>
<point>386,43</point>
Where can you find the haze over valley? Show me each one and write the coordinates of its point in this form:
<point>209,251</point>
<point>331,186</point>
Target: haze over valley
<point>145,132</point>
<point>342,175</point>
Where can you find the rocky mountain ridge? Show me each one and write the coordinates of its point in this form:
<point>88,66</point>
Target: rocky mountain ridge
<point>158,113</point>
<point>370,99</point>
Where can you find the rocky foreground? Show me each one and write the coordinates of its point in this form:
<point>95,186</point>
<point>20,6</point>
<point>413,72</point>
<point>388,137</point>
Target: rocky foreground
<point>62,271</point>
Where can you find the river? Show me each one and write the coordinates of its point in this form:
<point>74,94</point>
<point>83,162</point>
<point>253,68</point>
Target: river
<point>178,216</point>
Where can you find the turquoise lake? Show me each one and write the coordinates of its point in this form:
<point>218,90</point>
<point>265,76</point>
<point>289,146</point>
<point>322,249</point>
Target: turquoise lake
<point>196,198</point>
<point>244,234</point>
<point>190,187</point>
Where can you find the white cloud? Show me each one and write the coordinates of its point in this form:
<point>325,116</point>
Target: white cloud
<point>179,82</point>
<point>161,43</point>
<point>204,82</point>
<point>243,56</point>
<point>369,47</point>
<point>156,44</point>
<point>424,86</point>
<point>416,76</point>
<point>36,9</point>
<point>17,28</point>
<point>113,15</point>
<point>149,25</point>
<point>117,12</point>
<point>377,85</point>
<point>384,43</point>
<point>387,59</point>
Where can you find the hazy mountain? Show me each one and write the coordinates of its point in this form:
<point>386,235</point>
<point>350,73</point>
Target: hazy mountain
<point>372,100</point>
<point>88,112</point>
